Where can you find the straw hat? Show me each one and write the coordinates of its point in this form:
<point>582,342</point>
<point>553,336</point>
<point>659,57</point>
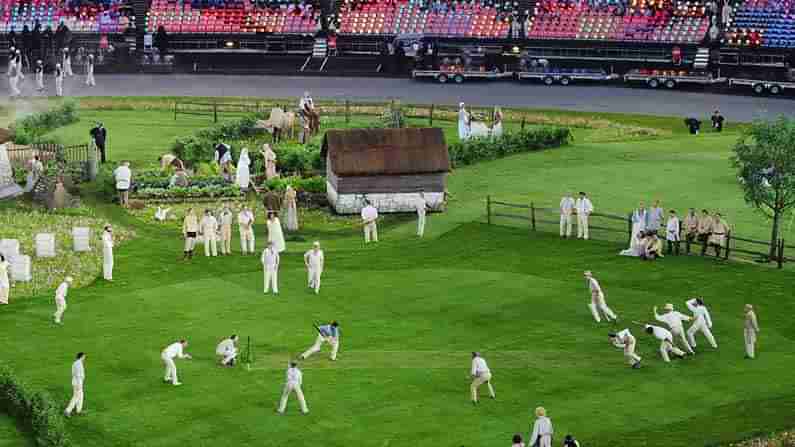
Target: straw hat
<point>669,307</point>
<point>541,411</point>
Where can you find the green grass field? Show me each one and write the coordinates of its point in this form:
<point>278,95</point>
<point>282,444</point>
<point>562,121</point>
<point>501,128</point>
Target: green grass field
<point>412,310</point>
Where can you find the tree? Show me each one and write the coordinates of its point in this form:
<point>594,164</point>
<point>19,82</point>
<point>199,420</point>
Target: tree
<point>764,157</point>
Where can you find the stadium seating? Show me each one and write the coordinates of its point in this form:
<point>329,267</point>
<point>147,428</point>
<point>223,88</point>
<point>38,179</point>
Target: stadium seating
<point>638,21</point>
<point>388,17</point>
<point>765,23</point>
<point>231,17</point>
<point>105,16</point>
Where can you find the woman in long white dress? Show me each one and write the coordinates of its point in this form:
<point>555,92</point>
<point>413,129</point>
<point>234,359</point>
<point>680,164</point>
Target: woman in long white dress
<point>275,234</point>
<point>496,128</point>
<point>270,161</point>
<point>5,285</point>
<point>291,208</point>
<point>463,123</point>
<point>107,253</point>
<point>35,171</point>
<point>243,176</point>
<point>636,245</point>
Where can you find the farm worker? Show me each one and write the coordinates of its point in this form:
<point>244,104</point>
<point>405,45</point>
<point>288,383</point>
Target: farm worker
<point>78,377</point>
<point>542,429</point>
<point>751,329</point>
<point>123,177</point>
<point>227,351</point>
<point>270,268</point>
<point>190,227</point>
<point>370,222</point>
<point>584,209</point>
<point>625,340</point>
<point>226,230</point>
<point>328,333</point>
<point>60,299</point>
<point>90,71</point>
<point>674,321</point>
<point>666,341</point>
<point>293,384</point>
<point>245,221</point>
<point>422,207</point>
<point>58,80</point>
<point>598,302</point>
<point>208,228</point>
<point>314,260</point>
<point>480,374</point>
<point>172,351</point>
<point>703,322</point>
<point>566,210</point>
<point>107,253</point>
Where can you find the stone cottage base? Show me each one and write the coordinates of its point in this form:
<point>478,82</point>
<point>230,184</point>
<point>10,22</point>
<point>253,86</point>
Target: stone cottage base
<point>384,202</point>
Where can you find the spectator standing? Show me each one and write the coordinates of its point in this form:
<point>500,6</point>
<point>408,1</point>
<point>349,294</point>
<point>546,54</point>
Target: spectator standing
<point>542,429</point>
<point>517,441</point>
<point>672,231</point>
<point>123,177</point>
<point>720,230</point>
<point>584,209</point>
<point>655,217</point>
<point>98,135</point>
<point>751,329</point>
<point>717,121</point>
<point>690,228</point>
<point>704,230</point>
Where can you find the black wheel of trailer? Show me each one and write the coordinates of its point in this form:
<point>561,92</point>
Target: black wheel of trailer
<point>442,78</point>
<point>653,82</point>
<point>670,84</point>
<point>565,80</point>
<point>549,80</point>
<point>759,89</point>
<point>775,89</point>
<point>459,79</point>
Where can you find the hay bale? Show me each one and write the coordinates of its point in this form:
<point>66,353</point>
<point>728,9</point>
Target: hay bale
<point>137,204</point>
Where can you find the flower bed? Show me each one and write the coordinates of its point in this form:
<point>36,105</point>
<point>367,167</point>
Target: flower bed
<point>23,222</point>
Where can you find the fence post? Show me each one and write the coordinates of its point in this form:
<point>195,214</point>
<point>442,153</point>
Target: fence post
<point>347,112</point>
<point>430,124</point>
<point>175,110</point>
<point>728,244</point>
<point>780,253</point>
<point>532,216</point>
<point>522,123</point>
<point>488,209</point>
<point>215,112</point>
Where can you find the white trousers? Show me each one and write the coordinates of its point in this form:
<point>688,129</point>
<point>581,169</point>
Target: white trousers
<point>270,280</point>
<point>107,264</point>
<point>4,294</point>
<point>210,245</point>
<point>565,225</point>
<point>679,332</point>
<point>700,326</point>
<point>171,370</point>
<point>60,308</point>
<point>600,305</point>
<point>190,243</point>
<point>420,224</point>
<point>582,226</point>
<point>750,343</point>
<point>13,86</point>
<point>629,352</point>
<point>59,86</point>
<point>76,403</point>
<point>67,68</point>
<point>477,382</point>
<point>314,279</point>
<point>227,357</point>
<point>293,387</point>
<point>665,347</point>
<point>40,81</point>
<point>90,79</point>
<point>371,232</point>
<point>335,346</point>
<point>226,239</point>
<point>247,241</point>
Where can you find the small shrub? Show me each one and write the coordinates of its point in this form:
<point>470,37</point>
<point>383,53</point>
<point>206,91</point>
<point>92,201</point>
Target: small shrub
<point>37,412</point>
<point>477,149</point>
<point>30,129</point>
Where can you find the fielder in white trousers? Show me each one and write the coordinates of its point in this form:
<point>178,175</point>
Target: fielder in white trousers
<point>314,261</point>
<point>674,321</point>
<point>107,254</point>
<point>422,207</point>
<point>293,385</point>
<point>751,328</point>
<point>78,377</point>
<point>270,269</point>
<point>481,374</point>
<point>60,299</point>
<point>598,302</point>
<point>566,211</point>
<point>666,342</point>
<point>584,209</point>
<point>172,351</point>
<point>702,323</point>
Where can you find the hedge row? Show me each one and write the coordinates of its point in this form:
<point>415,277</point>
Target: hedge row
<point>31,128</point>
<point>200,146</point>
<point>489,148</point>
<point>36,411</point>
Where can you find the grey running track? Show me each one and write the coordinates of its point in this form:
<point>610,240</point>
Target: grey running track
<point>510,94</point>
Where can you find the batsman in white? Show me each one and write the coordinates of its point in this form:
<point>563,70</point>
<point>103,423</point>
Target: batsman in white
<point>598,302</point>
<point>328,333</point>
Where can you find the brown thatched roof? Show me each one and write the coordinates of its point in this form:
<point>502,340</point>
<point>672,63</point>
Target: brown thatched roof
<point>362,152</point>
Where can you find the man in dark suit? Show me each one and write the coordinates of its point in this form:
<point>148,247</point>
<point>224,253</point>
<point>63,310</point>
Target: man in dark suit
<point>99,134</point>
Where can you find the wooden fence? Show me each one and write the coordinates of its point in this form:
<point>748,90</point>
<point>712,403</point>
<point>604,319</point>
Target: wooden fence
<point>345,109</point>
<point>618,228</point>
<point>76,154</point>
